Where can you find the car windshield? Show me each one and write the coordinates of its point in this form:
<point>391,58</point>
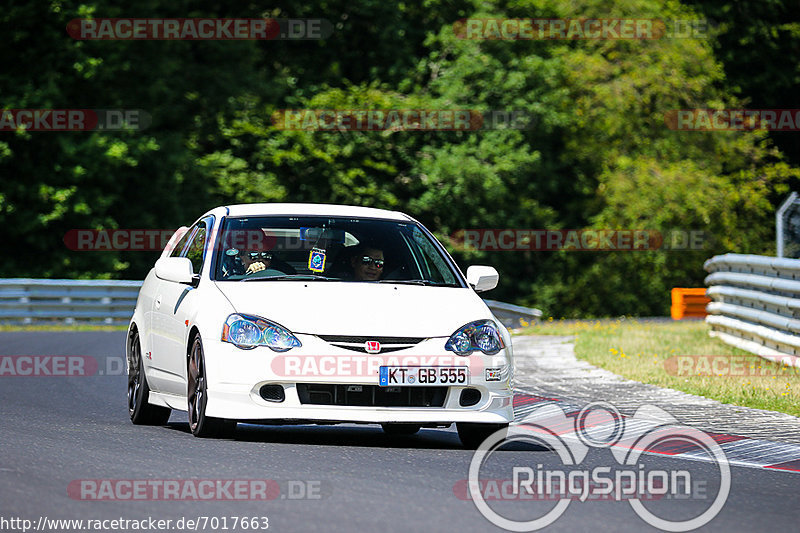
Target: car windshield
<point>280,248</point>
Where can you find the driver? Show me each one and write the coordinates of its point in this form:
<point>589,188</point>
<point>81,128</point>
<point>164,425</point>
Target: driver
<point>255,261</point>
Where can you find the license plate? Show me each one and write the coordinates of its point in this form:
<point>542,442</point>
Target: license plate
<point>421,376</point>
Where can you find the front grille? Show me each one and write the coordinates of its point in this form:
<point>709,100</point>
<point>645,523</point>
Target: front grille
<point>356,342</point>
<point>370,395</point>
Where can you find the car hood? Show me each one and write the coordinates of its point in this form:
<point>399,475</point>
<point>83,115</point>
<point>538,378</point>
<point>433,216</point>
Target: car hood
<point>336,308</point>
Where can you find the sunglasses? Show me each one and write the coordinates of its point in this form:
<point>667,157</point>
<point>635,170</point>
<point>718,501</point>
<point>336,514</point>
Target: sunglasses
<point>366,260</point>
<point>260,255</point>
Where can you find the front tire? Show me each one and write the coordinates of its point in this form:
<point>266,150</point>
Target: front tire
<point>197,394</point>
<point>472,435</point>
<point>139,408</point>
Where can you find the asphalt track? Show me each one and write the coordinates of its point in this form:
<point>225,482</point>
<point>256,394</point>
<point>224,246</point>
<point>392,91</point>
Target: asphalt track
<point>55,431</point>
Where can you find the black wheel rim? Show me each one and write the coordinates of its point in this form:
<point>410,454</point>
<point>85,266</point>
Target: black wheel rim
<point>134,374</point>
<point>196,385</point>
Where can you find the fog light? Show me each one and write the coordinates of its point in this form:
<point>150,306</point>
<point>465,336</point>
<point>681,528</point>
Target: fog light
<point>469,397</point>
<point>272,393</point>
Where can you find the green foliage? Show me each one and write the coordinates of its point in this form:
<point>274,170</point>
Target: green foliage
<point>758,43</point>
<point>597,155</point>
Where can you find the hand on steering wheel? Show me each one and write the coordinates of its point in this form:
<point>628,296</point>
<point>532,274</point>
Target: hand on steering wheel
<point>255,267</point>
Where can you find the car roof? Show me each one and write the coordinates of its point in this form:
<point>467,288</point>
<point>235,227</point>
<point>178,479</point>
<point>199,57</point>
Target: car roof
<point>243,210</point>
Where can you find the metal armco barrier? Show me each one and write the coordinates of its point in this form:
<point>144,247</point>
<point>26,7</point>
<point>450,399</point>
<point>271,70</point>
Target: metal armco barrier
<point>756,304</point>
<point>66,301</point>
<point>513,316</point>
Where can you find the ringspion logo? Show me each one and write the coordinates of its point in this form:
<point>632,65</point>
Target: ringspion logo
<point>600,429</point>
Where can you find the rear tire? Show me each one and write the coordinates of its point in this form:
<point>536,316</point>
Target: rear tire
<point>139,408</point>
<point>197,395</point>
<point>472,435</point>
<point>400,429</point>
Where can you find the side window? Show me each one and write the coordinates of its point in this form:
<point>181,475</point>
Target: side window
<point>176,252</point>
<point>197,248</point>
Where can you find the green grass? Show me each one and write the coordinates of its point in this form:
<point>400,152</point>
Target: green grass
<point>656,353</point>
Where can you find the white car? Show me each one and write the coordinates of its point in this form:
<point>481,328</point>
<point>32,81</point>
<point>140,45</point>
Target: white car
<point>312,313</point>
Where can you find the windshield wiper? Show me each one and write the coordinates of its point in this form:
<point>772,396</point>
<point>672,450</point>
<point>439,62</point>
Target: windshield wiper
<point>299,277</point>
<point>409,281</point>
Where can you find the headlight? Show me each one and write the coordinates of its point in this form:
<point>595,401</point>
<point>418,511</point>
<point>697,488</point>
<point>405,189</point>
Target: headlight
<point>480,335</point>
<point>249,331</point>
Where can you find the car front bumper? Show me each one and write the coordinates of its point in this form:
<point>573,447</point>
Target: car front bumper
<point>235,378</point>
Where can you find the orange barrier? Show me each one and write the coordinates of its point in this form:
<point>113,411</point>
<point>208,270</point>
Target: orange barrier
<point>688,303</point>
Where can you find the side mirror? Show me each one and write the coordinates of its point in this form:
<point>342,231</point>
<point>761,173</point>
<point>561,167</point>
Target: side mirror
<point>482,278</point>
<point>177,269</point>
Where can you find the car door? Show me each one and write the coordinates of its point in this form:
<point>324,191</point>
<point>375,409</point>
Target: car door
<point>172,306</point>
<point>155,321</point>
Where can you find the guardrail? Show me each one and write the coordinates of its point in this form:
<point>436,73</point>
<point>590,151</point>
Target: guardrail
<point>756,304</point>
<point>65,301</point>
<point>513,316</point>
